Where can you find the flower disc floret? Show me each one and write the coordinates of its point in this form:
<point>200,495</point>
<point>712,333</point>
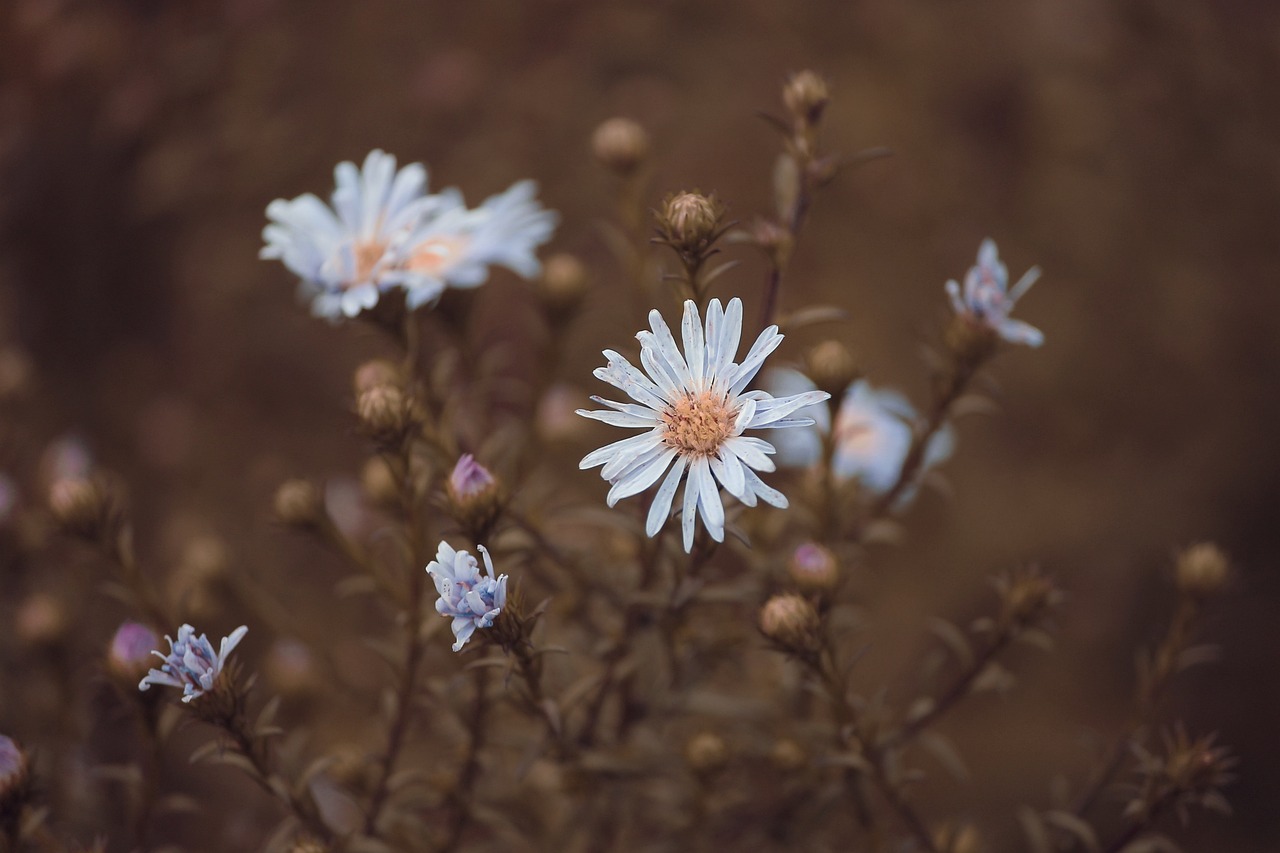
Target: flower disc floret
<point>694,408</point>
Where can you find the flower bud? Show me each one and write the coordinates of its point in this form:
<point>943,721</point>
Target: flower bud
<point>84,506</point>
<point>689,221</point>
<point>832,368</point>
<point>706,753</point>
<point>788,756</point>
<point>375,373</point>
<point>41,621</point>
<point>1027,597</point>
<point>14,776</point>
<point>805,96</point>
<point>385,413</point>
<point>563,283</point>
<point>621,145</point>
<point>130,657</point>
<point>791,622</point>
<point>1202,570</point>
<point>813,569</point>
<point>290,669</point>
<point>298,503</point>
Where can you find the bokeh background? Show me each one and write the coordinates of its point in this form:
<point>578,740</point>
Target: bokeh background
<point>1129,147</point>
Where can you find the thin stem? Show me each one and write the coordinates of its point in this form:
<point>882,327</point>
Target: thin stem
<point>461,794</point>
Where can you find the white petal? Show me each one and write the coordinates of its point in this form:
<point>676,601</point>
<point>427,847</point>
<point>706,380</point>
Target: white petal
<point>618,419</point>
<point>709,504</point>
<point>778,408</point>
<point>767,342</point>
<point>667,349</point>
<point>661,507</point>
<point>689,511</point>
<point>769,495</point>
<point>752,452</point>
<point>630,446</point>
<point>618,465</point>
<point>640,479</point>
<point>695,346</point>
<point>728,470</point>
<point>746,414</point>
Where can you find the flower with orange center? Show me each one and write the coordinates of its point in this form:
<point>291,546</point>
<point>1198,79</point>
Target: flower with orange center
<point>694,408</point>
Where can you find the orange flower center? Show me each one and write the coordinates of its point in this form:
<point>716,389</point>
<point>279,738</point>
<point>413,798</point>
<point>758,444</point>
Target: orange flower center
<point>697,425</point>
<point>436,254</point>
<point>368,254</point>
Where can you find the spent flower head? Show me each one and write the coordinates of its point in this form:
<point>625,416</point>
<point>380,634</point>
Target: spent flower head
<point>986,298</point>
<point>473,600</point>
<point>694,408</point>
<point>191,663</point>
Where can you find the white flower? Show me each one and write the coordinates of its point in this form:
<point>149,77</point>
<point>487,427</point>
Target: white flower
<point>694,409</point>
<point>987,299</point>
<point>191,663</point>
<point>872,438</point>
<point>347,254</point>
<point>384,231</point>
<point>454,246</point>
<point>473,600</point>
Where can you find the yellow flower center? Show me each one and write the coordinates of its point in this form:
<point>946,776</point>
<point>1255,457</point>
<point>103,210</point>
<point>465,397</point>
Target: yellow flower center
<point>436,254</point>
<point>368,254</point>
<point>697,425</point>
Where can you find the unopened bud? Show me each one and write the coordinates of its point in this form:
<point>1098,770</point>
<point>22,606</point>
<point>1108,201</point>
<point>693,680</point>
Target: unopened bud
<point>475,497</point>
<point>792,622</point>
<point>299,503</point>
<point>14,776</point>
<point>788,756</point>
<point>385,413</point>
<point>376,373</point>
<point>832,367</point>
<point>85,507</point>
<point>130,657</point>
<point>620,144</point>
<point>813,568</point>
<point>689,221</point>
<point>290,669</point>
<point>805,96</point>
<point>707,753</point>
<point>1202,570</point>
<point>41,621</point>
<point>205,559</point>
<point>563,283</point>
<point>1027,596</point>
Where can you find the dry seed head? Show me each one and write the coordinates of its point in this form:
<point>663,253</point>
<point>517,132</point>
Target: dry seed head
<point>813,568</point>
<point>805,95</point>
<point>620,144</point>
<point>1202,570</point>
<point>832,367</point>
<point>697,424</point>
<point>299,503</point>
<point>792,622</point>
<point>690,220</point>
<point>706,753</point>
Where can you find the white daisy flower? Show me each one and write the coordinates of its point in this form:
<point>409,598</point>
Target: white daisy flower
<point>454,246</point>
<point>873,434</point>
<point>986,298</point>
<point>346,254</point>
<point>694,409</point>
<point>191,663</point>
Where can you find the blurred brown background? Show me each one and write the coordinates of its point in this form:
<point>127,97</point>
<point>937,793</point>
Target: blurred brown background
<point>1130,148</point>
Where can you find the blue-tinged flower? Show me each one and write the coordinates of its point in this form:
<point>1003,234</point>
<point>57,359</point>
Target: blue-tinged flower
<point>455,246</point>
<point>192,664</point>
<point>473,600</point>
<point>987,299</point>
<point>347,253</point>
<point>873,434</point>
<point>694,408</point>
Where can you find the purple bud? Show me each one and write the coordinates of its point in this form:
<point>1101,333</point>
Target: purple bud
<point>131,650</point>
<point>13,767</point>
<point>469,479</point>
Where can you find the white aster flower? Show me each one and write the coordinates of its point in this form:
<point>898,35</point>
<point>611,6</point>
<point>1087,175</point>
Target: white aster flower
<point>872,438</point>
<point>987,299</point>
<point>694,409</point>
<point>191,663</point>
<point>454,246</point>
<point>345,255</point>
<point>473,600</point>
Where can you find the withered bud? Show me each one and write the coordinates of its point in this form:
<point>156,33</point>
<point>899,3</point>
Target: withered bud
<point>1202,570</point>
<point>374,374</point>
<point>805,95</point>
<point>290,669</point>
<point>690,221</point>
<point>130,657</point>
<point>41,621</point>
<point>299,503</point>
<point>706,753</point>
<point>84,506</point>
<point>788,756</point>
<point>385,413</point>
<point>813,568</point>
<point>792,622</point>
<point>1027,596</point>
<point>563,282</point>
<point>14,776</point>
<point>620,144</point>
<point>832,368</point>
<point>379,482</point>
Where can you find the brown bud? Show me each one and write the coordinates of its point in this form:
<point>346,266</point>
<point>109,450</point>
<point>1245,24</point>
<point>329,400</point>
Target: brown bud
<point>385,413</point>
<point>706,753</point>
<point>689,221</point>
<point>1027,596</point>
<point>788,756</point>
<point>379,482</point>
<point>792,622</point>
<point>1202,570</point>
<point>41,621</point>
<point>805,96</point>
<point>832,367</point>
<point>563,283</point>
<point>813,568</point>
<point>620,144</point>
<point>299,503</point>
<point>375,373</point>
<point>85,507</point>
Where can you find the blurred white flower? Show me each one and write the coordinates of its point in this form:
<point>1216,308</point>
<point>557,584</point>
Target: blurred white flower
<point>472,600</point>
<point>694,409</point>
<point>987,299</point>
<point>382,230</point>
<point>873,434</point>
<point>191,663</point>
